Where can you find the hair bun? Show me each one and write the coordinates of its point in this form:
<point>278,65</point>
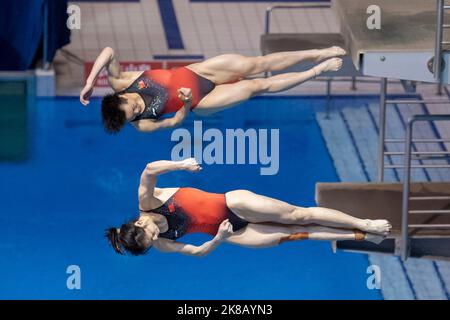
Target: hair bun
<point>112,234</point>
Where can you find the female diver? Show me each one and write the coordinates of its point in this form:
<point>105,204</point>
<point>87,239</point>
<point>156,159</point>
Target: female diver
<point>239,217</point>
<point>206,87</point>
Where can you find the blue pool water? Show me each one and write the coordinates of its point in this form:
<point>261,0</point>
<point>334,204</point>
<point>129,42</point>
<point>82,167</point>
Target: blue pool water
<point>78,181</point>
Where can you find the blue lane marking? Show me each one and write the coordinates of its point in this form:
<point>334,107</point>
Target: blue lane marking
<point>408,279</point>
<point>168,18</point>
<point>397,177</point>
<point>443,148</point>
<point>170,23</point>
<point>441,280</point>
<point>179,57</point>
<point>438,136</point>
<point>361,161</point>
<point>352,137</point>
<point>447,92</point>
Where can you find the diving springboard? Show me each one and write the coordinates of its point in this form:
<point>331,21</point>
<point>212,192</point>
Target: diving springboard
<point>403,48</point>
<point>384,201</point>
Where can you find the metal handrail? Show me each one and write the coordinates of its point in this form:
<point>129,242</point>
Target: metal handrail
<point>427,198</point>
<point>432,157</point>
<point>270,9</point>
<point>430,101</point>
<point>382,141</point>
<point>418,140</point>
<point>382,129</point>
<point>430,226</point>
<point>400,153</point>
<point>429,211</point>
<point>404,245</point>
<point>418,166</point>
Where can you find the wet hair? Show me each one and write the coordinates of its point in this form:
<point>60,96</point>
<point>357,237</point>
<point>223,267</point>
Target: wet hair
<point>113,117</point>
<point>129,238</point>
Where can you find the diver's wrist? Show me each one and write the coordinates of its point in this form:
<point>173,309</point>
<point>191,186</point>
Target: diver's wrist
<point>184,164</point>
<point>180,165</point>
<point>219,238</point>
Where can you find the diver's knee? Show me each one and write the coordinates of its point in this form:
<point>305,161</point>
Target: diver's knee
<point>258,85</point>
<point>259,64</point>
<point>303,215</point>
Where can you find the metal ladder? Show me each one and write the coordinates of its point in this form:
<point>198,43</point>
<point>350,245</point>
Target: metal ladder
<point>408,157</point>
<point>409,141</point>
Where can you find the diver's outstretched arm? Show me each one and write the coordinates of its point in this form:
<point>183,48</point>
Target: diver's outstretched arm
<point>159,167</point>
<point>105,59</point>
<point>225,231</point>
<point>156,168</point>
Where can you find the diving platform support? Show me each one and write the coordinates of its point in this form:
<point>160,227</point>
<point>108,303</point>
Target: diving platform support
<point>428,235</point>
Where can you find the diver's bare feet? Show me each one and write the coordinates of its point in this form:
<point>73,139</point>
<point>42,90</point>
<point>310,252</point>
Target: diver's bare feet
<point>330,52</point>
<point>381,226</point>
<point>374,238</point>
<point>333,64</point>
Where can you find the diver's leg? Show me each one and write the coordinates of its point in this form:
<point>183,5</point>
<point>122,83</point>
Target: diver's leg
<point>232,67</point>
<point>259,209</point>
<point>228,95</point>
<point>269,235</point>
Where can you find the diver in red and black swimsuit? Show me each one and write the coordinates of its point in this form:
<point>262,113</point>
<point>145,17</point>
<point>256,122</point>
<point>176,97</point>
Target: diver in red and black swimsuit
<point>191,210</point>
<point>159,91</point>
<point>238,217</point>
<point>206,87</point>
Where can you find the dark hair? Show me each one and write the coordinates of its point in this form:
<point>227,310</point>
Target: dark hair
<point>129,238</point>
<point>113,117</point>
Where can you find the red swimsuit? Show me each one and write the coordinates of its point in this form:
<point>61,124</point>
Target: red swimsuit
<point>159,90</point>
<point>191,210</point>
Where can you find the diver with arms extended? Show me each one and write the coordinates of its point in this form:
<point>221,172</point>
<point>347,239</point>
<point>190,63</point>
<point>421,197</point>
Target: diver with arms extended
<point>238,217</point>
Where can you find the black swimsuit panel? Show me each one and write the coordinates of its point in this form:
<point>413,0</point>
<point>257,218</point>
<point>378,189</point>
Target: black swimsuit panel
<point>177,220</point>
<point>154,95</point>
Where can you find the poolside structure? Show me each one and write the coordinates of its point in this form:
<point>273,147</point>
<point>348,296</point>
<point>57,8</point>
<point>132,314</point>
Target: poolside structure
<point>407,37</point>
<point>374,200</point>
<point>410,45</point>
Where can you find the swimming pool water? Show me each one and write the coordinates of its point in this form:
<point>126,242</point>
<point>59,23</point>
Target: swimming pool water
<point>77,181</point>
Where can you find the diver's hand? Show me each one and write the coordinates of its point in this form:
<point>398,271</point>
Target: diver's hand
<point>86,93</point>
<point>191,165</point>
<point>225,230</point>
<point>185,95</point>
